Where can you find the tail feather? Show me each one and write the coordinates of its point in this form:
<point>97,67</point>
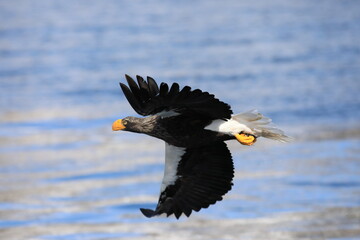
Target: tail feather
<point>261,125</point>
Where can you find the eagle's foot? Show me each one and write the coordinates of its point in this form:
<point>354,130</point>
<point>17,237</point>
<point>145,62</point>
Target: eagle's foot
<point>246,138</point>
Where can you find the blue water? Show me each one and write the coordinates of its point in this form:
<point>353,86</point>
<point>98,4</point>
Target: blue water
<point>65,175</point>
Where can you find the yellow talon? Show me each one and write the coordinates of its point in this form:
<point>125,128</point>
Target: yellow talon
<point>245,139</point>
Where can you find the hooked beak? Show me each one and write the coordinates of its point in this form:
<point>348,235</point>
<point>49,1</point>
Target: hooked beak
<point>245,139</point>
<point>117,125</point>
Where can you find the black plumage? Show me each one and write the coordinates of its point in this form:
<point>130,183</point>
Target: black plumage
<point>205,175</point>
<point>147,99</point>
<point>203,168</point>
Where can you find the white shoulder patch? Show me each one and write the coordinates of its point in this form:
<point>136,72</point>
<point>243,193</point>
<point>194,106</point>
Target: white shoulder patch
<point>230,126</point>
<point>172,158</point>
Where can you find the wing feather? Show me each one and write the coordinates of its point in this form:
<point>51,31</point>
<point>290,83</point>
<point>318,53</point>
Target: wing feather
<point>144,88</point>
<point>164,88</point>
<point>147,98</point>
<point>174,90</point>
<point>133,86</point>
<point>153,87</point>
<point>203,175</point>
<point>131,98</point>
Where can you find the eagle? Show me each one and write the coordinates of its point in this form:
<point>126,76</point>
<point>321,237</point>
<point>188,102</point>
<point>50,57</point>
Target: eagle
<point>194,125</point>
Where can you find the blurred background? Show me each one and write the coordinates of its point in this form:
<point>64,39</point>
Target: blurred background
<point>65,175</point>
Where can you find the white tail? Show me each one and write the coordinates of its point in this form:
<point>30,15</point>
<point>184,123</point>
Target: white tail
<point>261,125</point>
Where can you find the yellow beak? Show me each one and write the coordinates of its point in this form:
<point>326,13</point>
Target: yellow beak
<point>245,139</point>
<point>117,125</point>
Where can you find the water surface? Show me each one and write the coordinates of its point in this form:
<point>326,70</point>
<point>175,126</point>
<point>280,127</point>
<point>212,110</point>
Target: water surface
<point>65,175</point>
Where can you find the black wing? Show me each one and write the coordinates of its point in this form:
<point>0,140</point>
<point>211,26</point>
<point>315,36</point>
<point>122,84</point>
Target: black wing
<point>203,175</point>
<point>146,98</point>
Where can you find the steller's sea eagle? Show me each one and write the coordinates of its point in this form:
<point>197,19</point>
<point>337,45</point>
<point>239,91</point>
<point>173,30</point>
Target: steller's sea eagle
<point>194,125</point>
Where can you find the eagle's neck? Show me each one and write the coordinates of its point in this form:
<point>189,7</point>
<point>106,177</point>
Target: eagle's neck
<point>142,125</point>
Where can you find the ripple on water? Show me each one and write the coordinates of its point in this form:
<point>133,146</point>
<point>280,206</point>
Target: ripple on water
<point>66,175</point>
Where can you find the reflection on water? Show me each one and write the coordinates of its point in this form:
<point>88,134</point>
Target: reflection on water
<point>65,175</point>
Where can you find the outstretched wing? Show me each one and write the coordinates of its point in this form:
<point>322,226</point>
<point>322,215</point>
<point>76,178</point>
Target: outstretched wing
<point>194,178</point>
<point>146,98</point>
